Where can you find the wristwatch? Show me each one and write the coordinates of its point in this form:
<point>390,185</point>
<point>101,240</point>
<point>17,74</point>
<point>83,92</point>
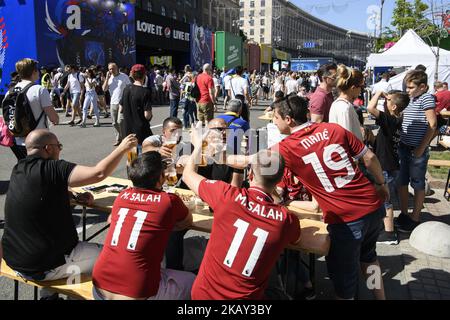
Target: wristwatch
<point>380,184</point>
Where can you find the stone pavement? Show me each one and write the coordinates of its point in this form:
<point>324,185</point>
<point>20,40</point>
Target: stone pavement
<point>409,273</point>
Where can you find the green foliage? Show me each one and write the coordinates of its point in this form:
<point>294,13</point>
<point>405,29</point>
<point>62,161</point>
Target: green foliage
<point>408,15</point>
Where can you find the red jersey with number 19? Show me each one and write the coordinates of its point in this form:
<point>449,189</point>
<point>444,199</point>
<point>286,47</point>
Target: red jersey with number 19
<point>141,222</point>
<point>321,156</point>
<point>248,234</point>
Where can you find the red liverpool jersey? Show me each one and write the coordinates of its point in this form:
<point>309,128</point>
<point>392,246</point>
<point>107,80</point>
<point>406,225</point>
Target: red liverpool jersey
<point>248,234</point>
<point>141,222</point>
<point>322,157</point>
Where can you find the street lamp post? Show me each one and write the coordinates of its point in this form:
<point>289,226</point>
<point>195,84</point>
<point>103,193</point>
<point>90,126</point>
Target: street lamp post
<point>381,18</point>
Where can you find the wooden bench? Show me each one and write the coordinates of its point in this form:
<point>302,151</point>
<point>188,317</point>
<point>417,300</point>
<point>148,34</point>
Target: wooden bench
<point>439,163</point>
<point>80,291</point>
<point>443,163</point>
<point>445,144</point>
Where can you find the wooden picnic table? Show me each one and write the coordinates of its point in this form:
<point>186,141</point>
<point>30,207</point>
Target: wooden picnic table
<point>314,236</point>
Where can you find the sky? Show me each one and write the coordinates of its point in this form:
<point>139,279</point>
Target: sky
<point>348,14</point>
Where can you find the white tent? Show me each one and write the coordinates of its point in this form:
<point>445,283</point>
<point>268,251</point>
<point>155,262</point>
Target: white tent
<point>410,51</point>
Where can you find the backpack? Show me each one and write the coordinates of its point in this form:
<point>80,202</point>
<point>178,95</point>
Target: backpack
<point>195,90</point>
<point>63,80</point>
<point>17,112</point>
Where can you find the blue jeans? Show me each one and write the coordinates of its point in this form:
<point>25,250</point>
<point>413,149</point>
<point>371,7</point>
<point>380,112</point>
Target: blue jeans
<point>174,107</point>
<point>352,243</point>
<point>412,169</point>
<point>391,178</point>
<point>189,112</point>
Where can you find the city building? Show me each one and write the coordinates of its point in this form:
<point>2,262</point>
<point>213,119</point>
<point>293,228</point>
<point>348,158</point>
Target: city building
<point>284,26</point>
<point>187,11</point>
<point>221,15</point>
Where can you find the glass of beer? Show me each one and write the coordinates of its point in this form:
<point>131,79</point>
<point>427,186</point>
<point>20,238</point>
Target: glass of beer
<point>203,161</point>
<point>131,155</point>
<point>171,176</point>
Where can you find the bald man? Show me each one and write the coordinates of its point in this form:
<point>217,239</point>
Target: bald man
<point>249,232</point>
<point>40,241</point>
<point>205,105</point>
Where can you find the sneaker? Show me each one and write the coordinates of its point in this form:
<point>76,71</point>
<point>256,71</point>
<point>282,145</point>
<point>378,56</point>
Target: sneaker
<point>89,116</point>
<point>71,123</point>
<point>408,226</point>
<point>79,121</point>
<point>400,219</point>
<point>97,124</point>
<point>82,125</point>
<point>107,115</point>
<point>390,238</point>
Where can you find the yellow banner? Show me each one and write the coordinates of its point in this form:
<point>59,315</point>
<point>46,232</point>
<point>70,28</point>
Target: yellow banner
<point>282,55</point>
<point>266,54</point>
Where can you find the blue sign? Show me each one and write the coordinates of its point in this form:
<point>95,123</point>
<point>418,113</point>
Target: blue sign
<point>309,45</point>
<point>85,32</point>
<point>309,64</point>
<point>17,35</point>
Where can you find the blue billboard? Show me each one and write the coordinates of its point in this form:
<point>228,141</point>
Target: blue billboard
<point>201,46</point>
<point>309,64</point>
<point>17,37</point>
<point>85,32</point>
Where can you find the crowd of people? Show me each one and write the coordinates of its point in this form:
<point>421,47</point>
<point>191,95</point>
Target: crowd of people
<point>328,161</point>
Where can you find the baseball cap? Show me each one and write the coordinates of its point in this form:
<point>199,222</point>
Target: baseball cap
<point>138,68</point>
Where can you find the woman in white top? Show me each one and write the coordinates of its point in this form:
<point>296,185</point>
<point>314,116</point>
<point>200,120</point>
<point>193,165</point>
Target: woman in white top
<point>278,86</point>
<point>91,97</point>
<point>349,83</point>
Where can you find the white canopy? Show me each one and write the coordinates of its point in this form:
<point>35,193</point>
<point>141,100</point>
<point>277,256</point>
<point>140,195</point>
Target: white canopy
<point>410,50</point>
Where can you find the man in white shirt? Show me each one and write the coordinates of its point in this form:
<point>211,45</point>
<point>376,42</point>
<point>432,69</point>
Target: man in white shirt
<point>313,81</point>
<point>227,87</point>
<point>240,90</point>
<point>292,84</point>
<point>40,102</point>
<point>75,86</point>
<point>116,82</point>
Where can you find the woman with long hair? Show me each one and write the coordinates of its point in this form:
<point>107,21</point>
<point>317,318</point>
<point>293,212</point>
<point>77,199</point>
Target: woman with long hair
<point>349,83</point>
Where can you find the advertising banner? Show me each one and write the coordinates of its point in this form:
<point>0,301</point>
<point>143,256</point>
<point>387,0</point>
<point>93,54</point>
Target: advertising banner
<point>281,55</point>
<point>85,32</point>
<point>161,60</point>
<point>161,32</point>
<point>228,50</point>
<point>266,54</point>
<point>309,64</point>
<point>201,46</point>
<point>17,37</point>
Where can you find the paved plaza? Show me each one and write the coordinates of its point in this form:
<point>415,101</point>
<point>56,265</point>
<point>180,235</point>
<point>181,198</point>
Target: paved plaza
<point>407,273</point>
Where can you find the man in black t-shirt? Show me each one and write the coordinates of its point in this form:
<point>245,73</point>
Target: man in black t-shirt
<point>136,106</point>
<point>40,241</point>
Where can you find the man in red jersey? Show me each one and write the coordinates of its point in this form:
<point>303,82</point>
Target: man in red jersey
<point>321,156</point>
<point>249,230</point>
<point>142,219</point>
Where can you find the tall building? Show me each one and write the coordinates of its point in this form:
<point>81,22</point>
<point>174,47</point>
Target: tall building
<point>188,11</point>
<point>286,27</point>
<point>221,15</point>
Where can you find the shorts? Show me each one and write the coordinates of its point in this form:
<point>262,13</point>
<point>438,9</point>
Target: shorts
<point>205,111</point>
<point>412,169</point>
<point>75,98</point>
<point>352,243</point>
<point>391,178</point>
